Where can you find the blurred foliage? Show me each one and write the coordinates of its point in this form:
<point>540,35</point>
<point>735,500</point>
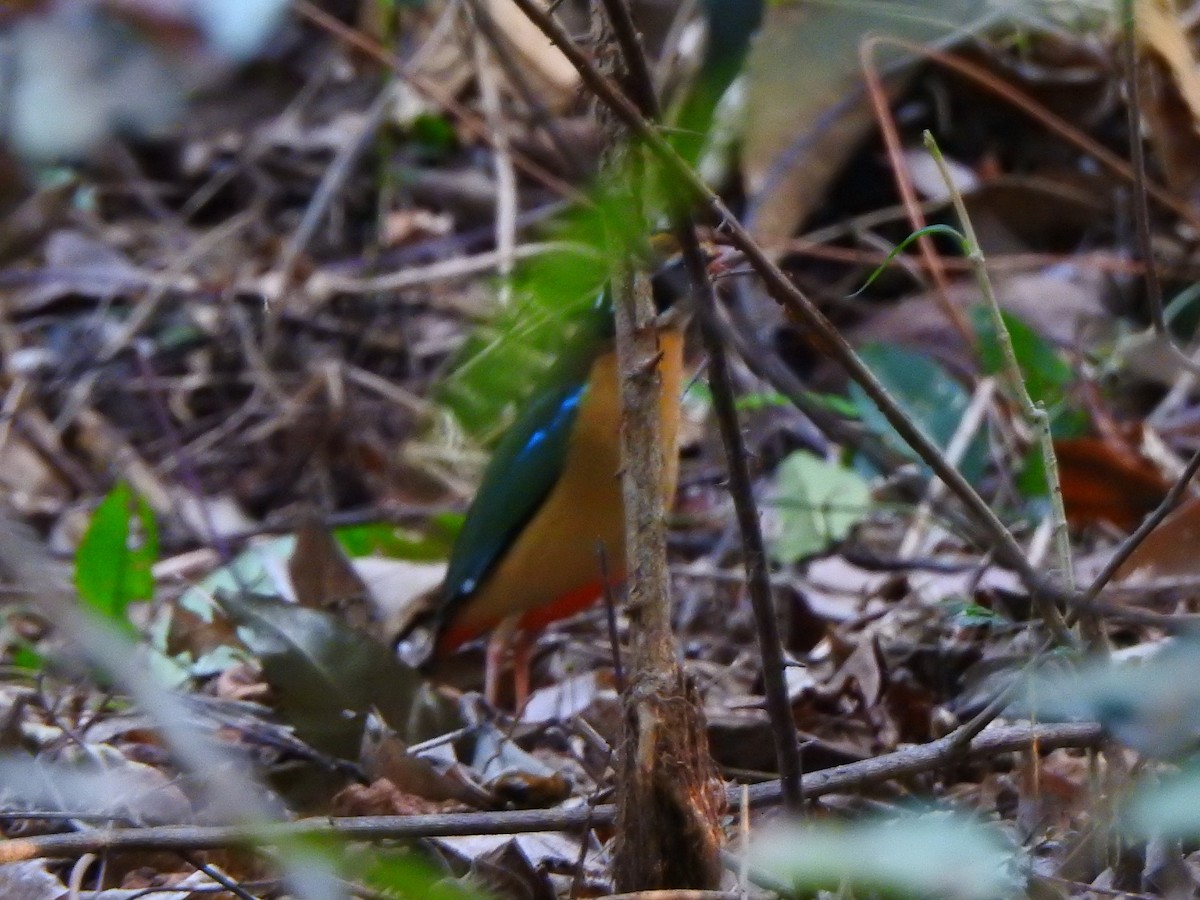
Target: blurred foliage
<point>407,876</point>
<point>430,541</point>
<point>943,855</point>
<point>84,71</point>
<point>1150,703</point>
<point>502,360</point>
<point>1166,807</point>
<point>112,565</point>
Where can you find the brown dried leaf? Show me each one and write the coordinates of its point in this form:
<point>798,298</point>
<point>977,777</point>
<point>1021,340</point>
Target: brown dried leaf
<point>323,578</point>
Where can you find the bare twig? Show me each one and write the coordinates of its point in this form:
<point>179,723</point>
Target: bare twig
<point>1034,413</point>
<point>1137,158</point>
<point>1054,123</point>
<point>468,119</point>
<point>506,176</point>
<point>540,116</point>
<point>334,178</point>
<point>908,194</point>
<point>1141,205</point>
<point>1131,543</point>
<point>325,283</point>
<point>901,764</point>
<point>779,708</point>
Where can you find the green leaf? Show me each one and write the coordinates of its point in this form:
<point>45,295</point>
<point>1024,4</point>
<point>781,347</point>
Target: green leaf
<point>502,360</point>
<point>969,614</point>
<point>329,676</point>
<point>930,396</point>
<point>112,566</point>
<point>930,855</point>
<point>433,135</point>
<point>818,505</point>
<point>759,400</point>
<point>1047,375</point>
<point>402,874</point>
<point>24,656</point>
<point>433,541</point>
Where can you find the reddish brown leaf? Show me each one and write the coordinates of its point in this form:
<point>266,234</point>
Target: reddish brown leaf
<point>1106,482</point>
<point>1169,551</point>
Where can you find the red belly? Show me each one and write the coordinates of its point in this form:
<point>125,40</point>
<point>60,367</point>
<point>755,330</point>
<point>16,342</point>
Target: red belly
<point>536,619</point>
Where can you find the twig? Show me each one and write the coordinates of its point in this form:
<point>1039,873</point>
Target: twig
<point>230,788</point>
<point>669,805</point>
<point>466,118</point>
<point>149,305</point>
<point>640,82</point>
<point>783,727</point>
<point>758,584</point>
<point>1035,413</point>
<point>1137,159</point>
<point>1049,120</point>
<point>901,764</point>
<point>334,178</point>
<point>1141,205</point>
<point>766,364</point>
<point>610,617</point>
<point>506,176</point>
<point>540,115</point>
<point>960,442</point>
<point>1131,543</point>
<point>325,283</point>
<point>908,193</point>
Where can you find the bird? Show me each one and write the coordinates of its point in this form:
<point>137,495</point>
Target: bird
<point>550,498</point>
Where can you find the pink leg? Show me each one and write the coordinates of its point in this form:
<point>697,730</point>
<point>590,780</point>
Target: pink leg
<point>499,646</point>
<point>522,652</point>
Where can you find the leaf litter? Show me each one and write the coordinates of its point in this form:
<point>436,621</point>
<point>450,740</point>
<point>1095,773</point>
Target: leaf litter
<point>172,324</point>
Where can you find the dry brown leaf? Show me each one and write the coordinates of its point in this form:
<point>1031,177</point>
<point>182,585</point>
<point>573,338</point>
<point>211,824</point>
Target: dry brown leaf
<point>1170,98</point>
<point>805,109</point>
<point>553,73</point>
<point>1159,29</point>
<point>1104,481</point>
<point>1169,551</point>
<point>322,577</point>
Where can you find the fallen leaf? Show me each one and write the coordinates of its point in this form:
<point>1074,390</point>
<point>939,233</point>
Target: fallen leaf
<point>1103,481</point>
<point>1169,551</point>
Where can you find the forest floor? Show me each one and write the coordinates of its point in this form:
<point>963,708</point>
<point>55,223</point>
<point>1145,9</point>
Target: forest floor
<point>254,360</point>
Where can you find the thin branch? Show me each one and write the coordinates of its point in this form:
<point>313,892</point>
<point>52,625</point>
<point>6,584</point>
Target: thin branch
<point>469,120</point>
<point>901,764</point>
<point>641,82</point>
<point>507,205</point>
<point>908,193</point>
<point>754,554</point>
<point>1034,413</point>
<point>1131,543</point>
<point>1141,204</point>
<point>1137,159</point>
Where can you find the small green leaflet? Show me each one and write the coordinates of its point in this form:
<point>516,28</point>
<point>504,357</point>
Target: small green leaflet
<point>818,502</point>
<point>112,565</point>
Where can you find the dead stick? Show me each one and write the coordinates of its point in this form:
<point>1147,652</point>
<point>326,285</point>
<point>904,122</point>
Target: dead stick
<point>901,764</point>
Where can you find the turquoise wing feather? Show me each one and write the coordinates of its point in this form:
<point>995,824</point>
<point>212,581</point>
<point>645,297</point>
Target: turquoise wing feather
<point>525,465</point>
